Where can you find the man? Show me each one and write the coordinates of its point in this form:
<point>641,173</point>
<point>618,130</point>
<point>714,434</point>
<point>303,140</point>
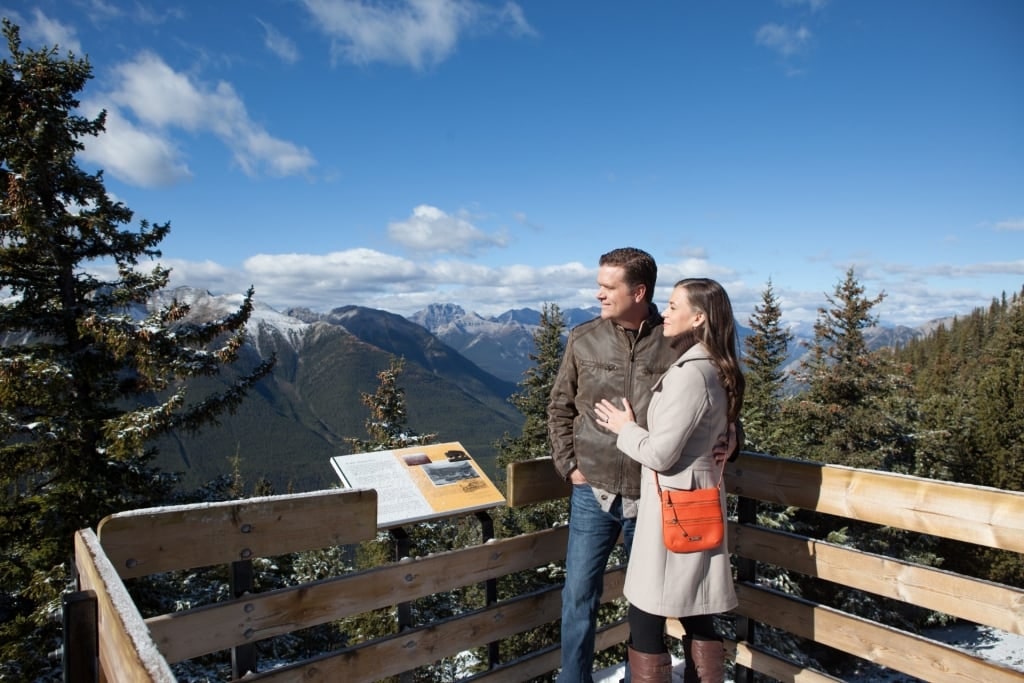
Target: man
<point>620,354</point>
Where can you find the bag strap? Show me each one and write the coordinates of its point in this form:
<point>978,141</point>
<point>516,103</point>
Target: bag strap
<point>721,474</point>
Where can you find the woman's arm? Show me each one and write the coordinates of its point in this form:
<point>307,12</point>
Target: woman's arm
<point>671,419</point>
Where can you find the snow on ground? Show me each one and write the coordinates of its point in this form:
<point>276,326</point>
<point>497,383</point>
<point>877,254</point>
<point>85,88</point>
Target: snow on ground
<point>992,644</point>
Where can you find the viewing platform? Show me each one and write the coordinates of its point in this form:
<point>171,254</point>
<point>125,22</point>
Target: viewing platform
<point>107,639</point>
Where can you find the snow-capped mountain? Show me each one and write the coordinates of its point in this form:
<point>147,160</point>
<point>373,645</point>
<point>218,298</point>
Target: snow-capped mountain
<point>501,344</point>
<point>460,369</point>
<point>300,416</point>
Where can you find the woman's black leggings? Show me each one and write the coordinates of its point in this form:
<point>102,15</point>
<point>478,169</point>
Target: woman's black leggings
<point>647,631</point>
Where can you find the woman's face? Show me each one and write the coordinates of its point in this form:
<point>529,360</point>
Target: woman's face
<point>680,316</point>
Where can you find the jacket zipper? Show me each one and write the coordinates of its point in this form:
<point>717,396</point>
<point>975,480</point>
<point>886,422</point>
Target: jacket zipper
<point>628,389</point>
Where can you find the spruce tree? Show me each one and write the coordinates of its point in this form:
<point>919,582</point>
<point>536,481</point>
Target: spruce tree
<point>997,412</point>
<point>767,348</point>
<point>535,391</point>
<point>998,405</point>
<point>89,377</point>
<point>857,408</point>
<point>766,351</point>
<point>387,429</point>
<point>858,411</point>
<point>532,442</point>
<point>968,377</point>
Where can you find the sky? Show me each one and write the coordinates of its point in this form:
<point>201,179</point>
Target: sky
<point>394,154</point>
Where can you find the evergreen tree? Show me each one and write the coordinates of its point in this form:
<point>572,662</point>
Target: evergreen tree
<point>945,447</point>
<point>766,350</point>
<point>968,377</point>
<point>858,411</point>
<point>88,378</point>
<point>996,413</point>
<point>532,401</point>
<point>857,407</point>
<point>999,400</point>
<point>386,427</point>
<point>968,386</point>
<point>535,392</point>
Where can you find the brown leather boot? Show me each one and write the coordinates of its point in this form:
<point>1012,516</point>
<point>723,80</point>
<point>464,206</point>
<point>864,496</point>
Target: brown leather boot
<point>689,669</point>
<point>709,660</point>
<point>648,668</point>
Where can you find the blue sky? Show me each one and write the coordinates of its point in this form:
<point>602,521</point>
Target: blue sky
<point>396,154</point>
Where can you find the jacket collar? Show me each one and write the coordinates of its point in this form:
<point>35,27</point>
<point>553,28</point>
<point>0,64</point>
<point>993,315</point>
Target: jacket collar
<point>696,352</point>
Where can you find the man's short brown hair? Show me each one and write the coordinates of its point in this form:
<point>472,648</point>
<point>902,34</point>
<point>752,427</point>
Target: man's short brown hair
<point>638,265</point>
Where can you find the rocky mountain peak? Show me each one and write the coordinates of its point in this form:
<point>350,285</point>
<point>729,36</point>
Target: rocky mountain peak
<point>436,316</point>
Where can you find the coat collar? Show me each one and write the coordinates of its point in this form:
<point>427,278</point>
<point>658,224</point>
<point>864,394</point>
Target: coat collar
<point>696,352</point>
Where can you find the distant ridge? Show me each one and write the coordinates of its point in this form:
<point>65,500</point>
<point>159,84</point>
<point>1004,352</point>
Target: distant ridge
<point>294,421</point>
<point>460,369</point>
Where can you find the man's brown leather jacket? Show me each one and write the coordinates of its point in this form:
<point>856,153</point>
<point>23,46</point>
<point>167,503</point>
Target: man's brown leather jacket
<point>604,360</point>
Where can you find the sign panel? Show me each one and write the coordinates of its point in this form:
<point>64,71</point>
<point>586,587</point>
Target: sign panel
<point>419,483</point>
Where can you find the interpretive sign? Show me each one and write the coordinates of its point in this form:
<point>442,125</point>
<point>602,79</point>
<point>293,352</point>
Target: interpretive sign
<point>419,483</point>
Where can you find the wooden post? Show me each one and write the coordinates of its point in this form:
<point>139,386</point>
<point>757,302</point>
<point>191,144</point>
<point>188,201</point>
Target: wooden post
<point>81,651</point>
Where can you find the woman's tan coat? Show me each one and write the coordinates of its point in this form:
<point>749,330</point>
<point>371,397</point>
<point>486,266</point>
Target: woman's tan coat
<point>687,413</point>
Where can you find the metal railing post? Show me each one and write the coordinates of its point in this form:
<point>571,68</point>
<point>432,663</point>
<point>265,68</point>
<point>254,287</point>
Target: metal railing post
<point>402,546</point>
<point>746,570</point>
<point>490,585</point>
<point>243,657</point>
<point>81,651</point>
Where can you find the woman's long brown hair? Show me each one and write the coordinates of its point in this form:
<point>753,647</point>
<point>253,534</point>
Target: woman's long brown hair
<point>718,334</point>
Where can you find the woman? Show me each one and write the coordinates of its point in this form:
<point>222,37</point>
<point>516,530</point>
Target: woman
<point>693,403</point>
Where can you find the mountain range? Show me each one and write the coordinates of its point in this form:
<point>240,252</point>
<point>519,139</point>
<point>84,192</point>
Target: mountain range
<point>502,344</point>
<point>293,421</point>
<point>459,371</point>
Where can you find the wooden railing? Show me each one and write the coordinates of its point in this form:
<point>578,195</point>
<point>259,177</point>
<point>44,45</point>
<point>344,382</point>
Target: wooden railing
<point>145,542</point>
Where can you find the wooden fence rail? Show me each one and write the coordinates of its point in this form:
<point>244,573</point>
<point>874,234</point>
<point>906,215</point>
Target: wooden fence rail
<point>144,542</point>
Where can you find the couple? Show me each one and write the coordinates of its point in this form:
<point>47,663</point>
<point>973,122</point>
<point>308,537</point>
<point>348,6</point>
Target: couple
<point>638,389</point>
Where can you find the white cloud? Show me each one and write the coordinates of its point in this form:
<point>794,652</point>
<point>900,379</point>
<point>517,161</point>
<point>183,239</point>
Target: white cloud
<point>1010,225</point>
<point>521,218</point>
<point>278,43</point>
<point>339,269</point>
<point>367,277</point>
<point>418,33</point>
<point>948,271</point>
<point>137,156</point>
<point>151,13</point>
<point>162,99</point>
<point>205,275</point>
<point>511,16</point>
<point>812,5</point>
<point>430,229</point>
<point>100,10</point>
<point>694,252</point>
<point>371,278</point>
<point>41,30</point>
<point>784,39</point>
<point>160,96</point>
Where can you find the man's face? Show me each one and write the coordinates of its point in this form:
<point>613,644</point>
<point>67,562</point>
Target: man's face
<point>620,302</point>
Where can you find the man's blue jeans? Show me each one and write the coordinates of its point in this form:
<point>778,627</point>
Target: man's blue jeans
<point>592,536</point>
